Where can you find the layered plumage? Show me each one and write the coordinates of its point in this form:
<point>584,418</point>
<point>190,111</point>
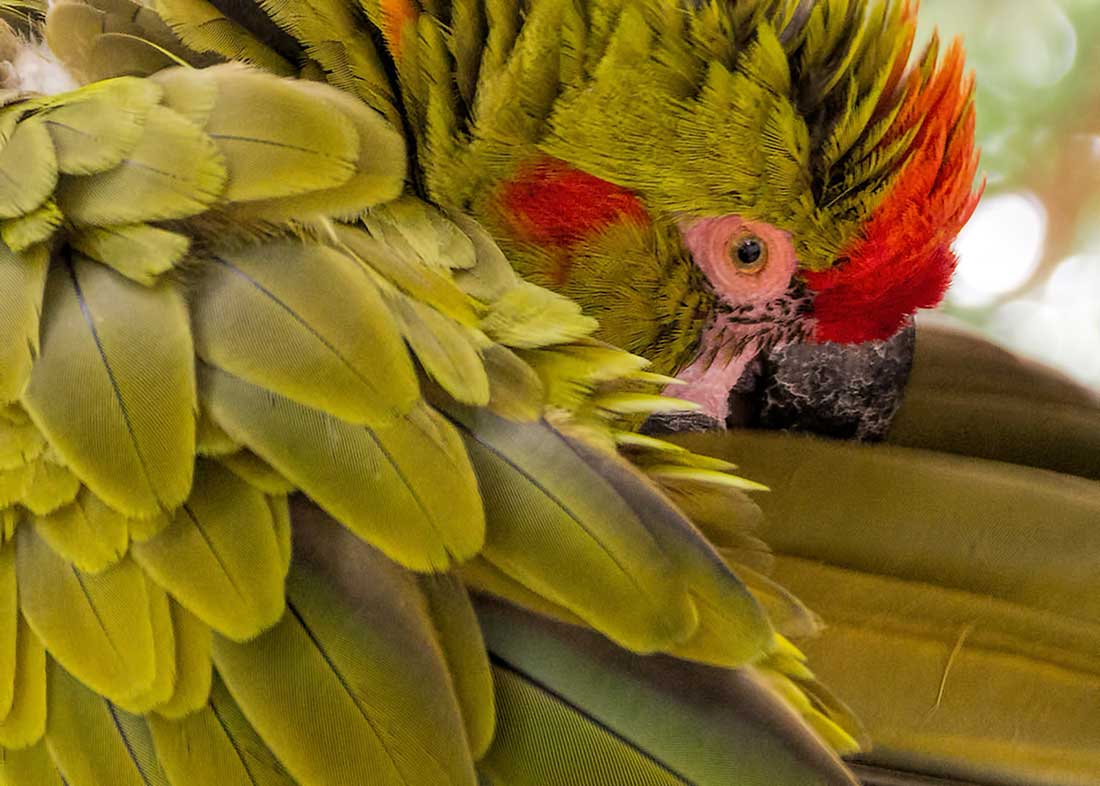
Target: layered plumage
<point>234,286</point>
<point>222,293</point>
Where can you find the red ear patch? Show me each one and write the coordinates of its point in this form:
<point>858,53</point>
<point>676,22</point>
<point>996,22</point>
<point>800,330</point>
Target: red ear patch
<point>550,203</point>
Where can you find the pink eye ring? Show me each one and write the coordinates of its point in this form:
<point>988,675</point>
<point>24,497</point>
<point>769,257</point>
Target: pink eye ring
<point>745,261</point>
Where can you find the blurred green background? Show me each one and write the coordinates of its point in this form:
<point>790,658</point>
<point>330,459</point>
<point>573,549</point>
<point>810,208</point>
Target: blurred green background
<point>1029,261</point>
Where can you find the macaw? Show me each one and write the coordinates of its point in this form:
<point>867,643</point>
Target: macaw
<point>321,315</point>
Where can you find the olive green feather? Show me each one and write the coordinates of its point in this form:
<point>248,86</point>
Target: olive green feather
<point>138,251</point>
<point>367,656</point>
<point>280,514</point>
<point>998,632</point>
<point>20,442</point>
<point>219,557</point>
<point>105,384</point>
<point>215,744</point>
<point>296,150</point>
<point>380,166</point>
<point>970,397</point>
<point>25,722</point>
<point>406,487</point>
<point>419,230</point>
<point>29,767</point>
<point>733,629</point>
<point>22,284</point>
<point>304,321</point>
<point>937,540</point>
<point>556,525</point>
<point>97,625</point>
<point>9,626</point>
<point>575,711</point>
<point>528,316</point>
<point>406,272</point>
<point>93,742</point>
<point>447,350</point>
<point>50,486</point>
<point>28,165</point>
<point>177,169</point>
<point>254,471</point>
<point>95,129</point>
<point>194,670</point>
<point>37,226</point>
<point>86,534</point>
<point>515,390</point>
<point>201,26</point>
<point>163,685</point>
<point>456,628</point>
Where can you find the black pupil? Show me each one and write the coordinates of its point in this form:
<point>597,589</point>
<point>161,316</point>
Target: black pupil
<point>749,251</point>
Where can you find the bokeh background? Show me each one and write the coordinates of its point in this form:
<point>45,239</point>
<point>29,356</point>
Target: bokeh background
<point>1029,260</point>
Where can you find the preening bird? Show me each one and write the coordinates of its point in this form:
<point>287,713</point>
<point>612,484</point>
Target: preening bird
<point>328,328</point>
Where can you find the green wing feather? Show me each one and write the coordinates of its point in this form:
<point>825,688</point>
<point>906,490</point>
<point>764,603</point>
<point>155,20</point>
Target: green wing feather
<point>92,742</point>
<point>49,487</point>
<point>215,744</point>
<point>201,26</point>
<point>163,685</point>
<point>970,397</point>
<point>28,166</point>
<point>194,671</point>
<point>406,272</point>
<point>9,625</point>
<point>952,595</point>
<point>379,174</point>
<point>456,627</point>
<point>97,625</point>
<point>107,385</point>
<point>29,767</point>
<point>559,527</point>
<point>256,472</point>
<point>138,251</point>
<point>25,722</point>
<point>297,150</point>
<point>86,534</point>
<point>405,487</point>
<point>367,664</point>
<point>177,169</point>
<point>219,557</point>
<point>575,711</point>
<point>304,321</point>
<point>96,131</point>
<point>447,350</point>
<point>22,284</point>
<point>732,628</point>
<point>21,233</point>
<point>392,370</point>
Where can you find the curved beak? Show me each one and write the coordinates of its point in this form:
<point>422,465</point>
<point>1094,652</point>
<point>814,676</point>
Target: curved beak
<point>846,391</point>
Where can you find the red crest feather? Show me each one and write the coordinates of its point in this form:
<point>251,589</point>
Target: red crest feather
<point>903,260</point>
<point>396,14</point>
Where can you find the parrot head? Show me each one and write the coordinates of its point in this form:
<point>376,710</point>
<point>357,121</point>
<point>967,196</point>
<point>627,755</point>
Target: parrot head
<point>752,198</point>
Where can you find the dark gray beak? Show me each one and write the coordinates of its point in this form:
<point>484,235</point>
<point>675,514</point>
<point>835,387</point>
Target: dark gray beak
<point>835,390</point>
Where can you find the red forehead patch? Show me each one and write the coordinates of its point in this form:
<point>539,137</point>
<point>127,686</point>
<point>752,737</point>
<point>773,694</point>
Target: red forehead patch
<point>903,260</point>
<point>553,204</point>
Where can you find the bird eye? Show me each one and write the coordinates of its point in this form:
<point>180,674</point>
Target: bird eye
<point>750,254</point>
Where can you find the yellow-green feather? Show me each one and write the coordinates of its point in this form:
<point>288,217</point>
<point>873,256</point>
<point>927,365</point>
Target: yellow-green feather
<point>107,385</point>
<point>219,557</point>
